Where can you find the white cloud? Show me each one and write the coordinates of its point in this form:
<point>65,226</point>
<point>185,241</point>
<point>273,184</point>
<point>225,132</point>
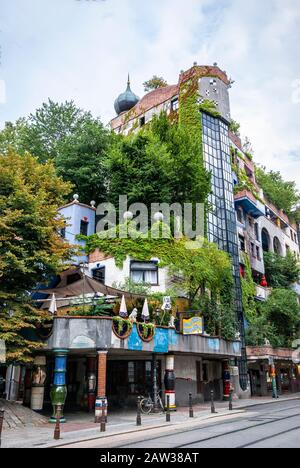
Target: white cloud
<point>82,50</point>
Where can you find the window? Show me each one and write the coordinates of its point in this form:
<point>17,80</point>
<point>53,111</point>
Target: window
<point>142,121</point>
<point>63,233</point>
<point>144,272</point>
<point>258,253</point>
<point>175,105</point>
<point>256,231</point>
<point>84,225</point>
<point>242,243</point>
<point>99,274</point>
<point>240,215</point>
<point>253,251</point>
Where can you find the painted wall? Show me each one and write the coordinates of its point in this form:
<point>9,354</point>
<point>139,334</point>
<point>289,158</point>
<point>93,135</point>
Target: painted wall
<point>73,214</point>
<point>117,276</point>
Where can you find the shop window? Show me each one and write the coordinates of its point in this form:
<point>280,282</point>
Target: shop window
<point>205,372</point>
<point>84,226</point>
<point>144,272</point>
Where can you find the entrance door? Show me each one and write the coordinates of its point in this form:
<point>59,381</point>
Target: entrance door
<point>126,380</point>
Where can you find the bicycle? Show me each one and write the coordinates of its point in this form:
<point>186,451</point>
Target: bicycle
<point>147,404</point>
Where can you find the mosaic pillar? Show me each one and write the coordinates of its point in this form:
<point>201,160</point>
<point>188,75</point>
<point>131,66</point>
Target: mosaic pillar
<point>58,391</point>
<point>170,382</point>
<point>226,381</point>
<point>38,383</point>
<point>101,400</point>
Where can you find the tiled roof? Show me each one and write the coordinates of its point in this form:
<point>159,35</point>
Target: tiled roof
<point>150,100</point>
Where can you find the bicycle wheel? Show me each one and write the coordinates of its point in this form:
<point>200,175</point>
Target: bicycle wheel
<point>146,405</point>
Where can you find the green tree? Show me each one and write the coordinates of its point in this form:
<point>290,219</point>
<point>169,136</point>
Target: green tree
<point>81,159</point>
<point>282,310</point>
<point>283,194</point>
<point>188,180</point>
<point>235,128</point>
<point>281,272</point>
<point>139,167</point>
<point>30,246</point>
<point>154,83</point>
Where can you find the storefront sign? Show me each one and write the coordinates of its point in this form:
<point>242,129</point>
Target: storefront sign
<point>193,326</point>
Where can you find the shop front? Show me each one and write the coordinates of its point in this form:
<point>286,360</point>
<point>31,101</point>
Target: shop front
<point>260,371</point>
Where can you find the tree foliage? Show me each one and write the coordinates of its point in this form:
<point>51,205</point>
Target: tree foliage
<point>284,195</point>
<point>281,272</point>
<point>30,247</point>
<point>76,142</point>
<point>154,83</point>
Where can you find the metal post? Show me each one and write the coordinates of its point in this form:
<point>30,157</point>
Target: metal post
<point>57,424</point>
<point>1,423</point>
<point>138,416</point>
<point>168,414</point>
<point>155,389</point>
<point>103,420</point>
<point>231,400</point>
<point>191,405</point>
<point>213,409</point>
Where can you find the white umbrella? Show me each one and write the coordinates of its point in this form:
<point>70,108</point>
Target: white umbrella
<point>53,305</point>
<point>123,309</point>
<point>145,312</point>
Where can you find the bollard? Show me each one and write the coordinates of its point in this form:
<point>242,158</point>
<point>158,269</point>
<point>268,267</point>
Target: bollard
<point>1,423</point>
<point>57,424</point>
<point>168,414</point>
<point>138,416</point>
<point>213,409</point>
<point>103,420</point>
<point>191,406</point>
<point>231,400</point>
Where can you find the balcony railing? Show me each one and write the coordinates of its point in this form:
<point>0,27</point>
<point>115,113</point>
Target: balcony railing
<point>262,293</point>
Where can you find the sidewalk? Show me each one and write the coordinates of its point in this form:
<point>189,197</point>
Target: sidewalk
<point>81,427</point>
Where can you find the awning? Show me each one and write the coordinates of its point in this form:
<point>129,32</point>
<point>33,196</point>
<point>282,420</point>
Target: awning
<point>88,286</point>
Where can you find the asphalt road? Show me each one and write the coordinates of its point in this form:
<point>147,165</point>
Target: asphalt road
<point>267,426</point>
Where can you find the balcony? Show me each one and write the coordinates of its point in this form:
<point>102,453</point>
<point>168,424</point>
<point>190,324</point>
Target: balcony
<point>262,294</point>
<point>86,334</point>
<point>251,206</point>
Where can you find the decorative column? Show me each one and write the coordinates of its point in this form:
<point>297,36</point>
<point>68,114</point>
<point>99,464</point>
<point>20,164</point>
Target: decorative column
<point>101,400</point>
<point>170,382</point>
<point>226,381</point>
<point>38,383</point>
<point>91,381</point>
<point>58,391</point>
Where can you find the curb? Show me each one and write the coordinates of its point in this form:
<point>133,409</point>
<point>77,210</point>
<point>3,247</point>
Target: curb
<point>146,428</point>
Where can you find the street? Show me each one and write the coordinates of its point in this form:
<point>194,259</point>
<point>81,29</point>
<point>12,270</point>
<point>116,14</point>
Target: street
<point>268,426</point>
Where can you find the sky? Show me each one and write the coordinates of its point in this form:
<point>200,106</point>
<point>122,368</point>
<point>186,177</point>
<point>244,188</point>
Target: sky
<point>82,50</point>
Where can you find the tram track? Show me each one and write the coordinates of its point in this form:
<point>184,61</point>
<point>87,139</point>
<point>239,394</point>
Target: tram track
<point>236,431</point>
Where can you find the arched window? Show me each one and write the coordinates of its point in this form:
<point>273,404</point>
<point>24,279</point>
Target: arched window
<point>265,239</point>
<point>277,246</point>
